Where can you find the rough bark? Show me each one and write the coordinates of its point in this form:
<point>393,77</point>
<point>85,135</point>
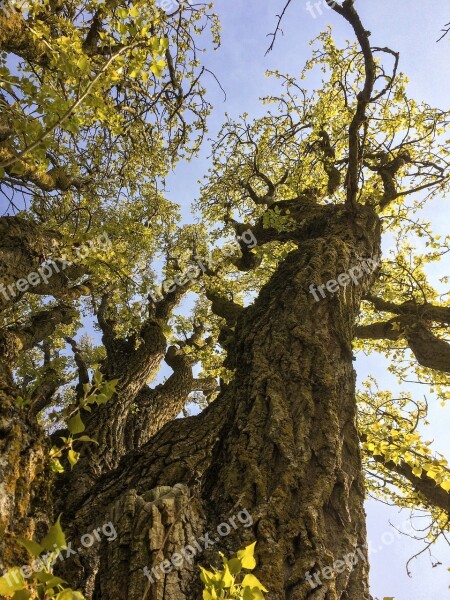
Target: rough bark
<point>24,247</point>
<point>25,484</point>
<point>16,37</point>
<point>134,362</point>
<point>136,412</point>
<point>156,407</point>
<point>280,441</point>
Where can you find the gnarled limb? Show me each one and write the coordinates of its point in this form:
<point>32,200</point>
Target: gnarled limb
<point>433,495</point>
<point>412,324</point>
<point>153,408</point>
<point>24,248</point>
<point>281,439</point>
<point>83,373</point>
<point>16,339</point>
<point>364,97</point>
<point>426,311</point>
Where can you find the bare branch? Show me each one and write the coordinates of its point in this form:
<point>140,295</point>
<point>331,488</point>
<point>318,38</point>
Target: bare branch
<point>278,27</point>
<point>446,30</point>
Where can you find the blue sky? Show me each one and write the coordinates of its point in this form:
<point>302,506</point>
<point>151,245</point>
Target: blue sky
<point>411,27</point>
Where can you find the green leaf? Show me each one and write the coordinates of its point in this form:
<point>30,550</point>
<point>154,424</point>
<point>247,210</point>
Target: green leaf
<point>73,457</point>
<point>69,595</point>
<point>18,168</point>
<point>154,45</point>
<point>227,577</point>
<point>11,582</point>
<point>253,582</point>
<point>246,555</point>
<point>109,388</point>
<point>122,28</point>
<point>55,538</point>
<point>446,485</point>
<point>157,67</point>
<point>54,581</point>
<point>85,438</point>
<point>206,576</point>
<point>102,399</point>
<point>75,424</point>
<point>33,547</point>
<point>22,595</point>
<point>83,63</point>
<point>22,402</point>
<point>235,566</point>
<point>43,576</point>
<point>98,377</point>
<point>252,594</point>
<point>134,11</point>
<point>56,466</point>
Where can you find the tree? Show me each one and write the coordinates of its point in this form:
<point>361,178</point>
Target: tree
<point>98,112</point>
<point>307,191</point>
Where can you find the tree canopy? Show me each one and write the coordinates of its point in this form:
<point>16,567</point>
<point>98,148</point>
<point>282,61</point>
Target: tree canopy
<point>99,102</point>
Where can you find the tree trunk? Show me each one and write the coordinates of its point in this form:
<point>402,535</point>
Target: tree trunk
<point>25,480</point>
<point>280,441</point>
<point>25,483</point>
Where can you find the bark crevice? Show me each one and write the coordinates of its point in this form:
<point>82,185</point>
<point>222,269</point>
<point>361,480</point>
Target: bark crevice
<point>281,438</point>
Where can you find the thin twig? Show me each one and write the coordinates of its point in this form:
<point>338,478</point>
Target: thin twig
<point>445,32</point>
<point>278,28</point>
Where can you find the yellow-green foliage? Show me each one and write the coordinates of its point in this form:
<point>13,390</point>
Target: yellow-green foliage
<point>36,581</point>
<point>231,583</point>
<point>98,393</point>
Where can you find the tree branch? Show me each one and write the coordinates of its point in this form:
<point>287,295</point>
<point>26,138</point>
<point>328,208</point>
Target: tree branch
<point>42,325</point>
<point>278,28</point>
<point>83,373</point>
<point>154,407</point>
<point>225,308</point>
<point>425,486</point>
<point>431,312</point>
<point>364,98</point>
<point>429,350</point>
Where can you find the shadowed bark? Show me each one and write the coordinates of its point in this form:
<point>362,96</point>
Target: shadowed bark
<point>429,350</point>
<point>25,483</point>
<point>280,441</point>
<point>24,247</point>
